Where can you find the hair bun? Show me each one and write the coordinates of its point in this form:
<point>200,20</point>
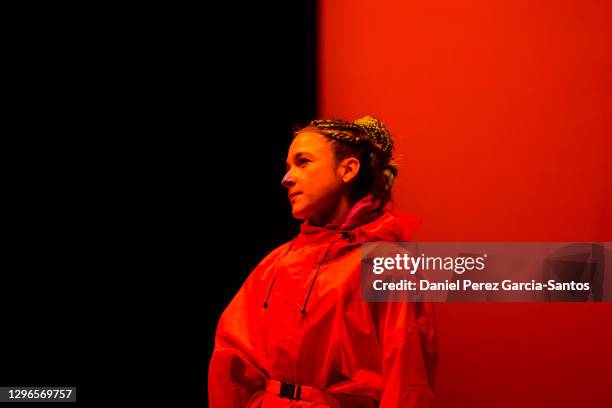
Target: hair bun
<point>378,133</point>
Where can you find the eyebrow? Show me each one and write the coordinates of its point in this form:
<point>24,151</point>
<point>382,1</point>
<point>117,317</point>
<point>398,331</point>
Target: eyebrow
<point>297,156</point>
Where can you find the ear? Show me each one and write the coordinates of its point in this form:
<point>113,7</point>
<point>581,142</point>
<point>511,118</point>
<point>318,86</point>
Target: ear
<point>348,169</point>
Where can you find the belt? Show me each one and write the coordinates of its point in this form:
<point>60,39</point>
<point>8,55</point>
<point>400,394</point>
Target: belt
<point>300,392</point>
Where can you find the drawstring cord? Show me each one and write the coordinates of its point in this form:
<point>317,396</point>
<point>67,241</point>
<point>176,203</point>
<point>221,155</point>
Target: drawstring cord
<point>265,304</point>
<point>344,235</point>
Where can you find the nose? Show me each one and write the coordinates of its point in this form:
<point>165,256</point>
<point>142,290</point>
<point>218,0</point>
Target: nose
<point>288,180</point>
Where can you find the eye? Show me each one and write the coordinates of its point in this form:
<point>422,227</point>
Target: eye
<point>302,161</point>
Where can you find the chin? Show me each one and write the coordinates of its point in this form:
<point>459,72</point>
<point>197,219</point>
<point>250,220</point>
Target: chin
<point>298,216</point>
<point>299,213</point>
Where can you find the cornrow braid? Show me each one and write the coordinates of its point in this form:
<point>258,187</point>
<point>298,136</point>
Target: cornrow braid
<point>342,131</point>
<point>379,135</point>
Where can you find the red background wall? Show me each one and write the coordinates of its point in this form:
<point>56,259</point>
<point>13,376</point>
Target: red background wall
<point>501,111</point>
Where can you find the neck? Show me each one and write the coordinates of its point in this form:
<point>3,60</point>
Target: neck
<point>335,217</point>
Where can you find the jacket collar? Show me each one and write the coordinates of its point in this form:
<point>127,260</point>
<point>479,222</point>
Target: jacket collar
<point>366,221</point>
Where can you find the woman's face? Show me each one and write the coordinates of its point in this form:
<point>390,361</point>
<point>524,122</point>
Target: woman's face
<point>313,178</point>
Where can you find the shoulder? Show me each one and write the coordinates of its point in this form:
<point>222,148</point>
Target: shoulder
<point>271,258</point>
<point>262,270</point>
<point>276,252</point>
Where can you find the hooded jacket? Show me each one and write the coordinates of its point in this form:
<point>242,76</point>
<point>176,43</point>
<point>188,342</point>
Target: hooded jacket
<point>300,318</point>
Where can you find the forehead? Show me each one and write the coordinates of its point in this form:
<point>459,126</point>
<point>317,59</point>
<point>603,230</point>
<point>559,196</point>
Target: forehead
<point>310,142</point>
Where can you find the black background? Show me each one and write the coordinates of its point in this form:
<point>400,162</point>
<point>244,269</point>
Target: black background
<point>143,154</point>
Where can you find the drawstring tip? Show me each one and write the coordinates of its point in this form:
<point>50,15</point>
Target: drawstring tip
<point>302,310</point>
<point>265,305</point>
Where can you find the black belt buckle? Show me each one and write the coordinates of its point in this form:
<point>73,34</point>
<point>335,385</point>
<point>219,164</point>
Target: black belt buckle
<point>291,391</point>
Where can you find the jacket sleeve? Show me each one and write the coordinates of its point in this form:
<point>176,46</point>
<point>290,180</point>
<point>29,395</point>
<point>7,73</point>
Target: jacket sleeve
<point>407,337</point>
<point>237,368</point>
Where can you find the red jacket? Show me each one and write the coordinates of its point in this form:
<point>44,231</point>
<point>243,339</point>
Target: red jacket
<point>300,318</point>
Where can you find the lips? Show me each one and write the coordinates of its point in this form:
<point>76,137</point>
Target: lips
<point>292,195</point>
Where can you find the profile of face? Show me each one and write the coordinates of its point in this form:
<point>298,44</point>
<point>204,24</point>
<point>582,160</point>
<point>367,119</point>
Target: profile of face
<point>315,180</point>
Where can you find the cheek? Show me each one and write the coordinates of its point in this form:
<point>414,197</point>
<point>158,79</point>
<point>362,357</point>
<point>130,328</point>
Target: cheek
<point>319,182</point>
<point>325,191</point>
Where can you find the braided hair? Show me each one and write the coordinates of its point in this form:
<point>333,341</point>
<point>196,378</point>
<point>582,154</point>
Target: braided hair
<point>368,140</point>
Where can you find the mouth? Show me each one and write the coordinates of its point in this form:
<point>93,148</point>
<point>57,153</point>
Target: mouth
<point>293,195</point>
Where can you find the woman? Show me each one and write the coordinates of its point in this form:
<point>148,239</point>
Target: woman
<point>298,333</point>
